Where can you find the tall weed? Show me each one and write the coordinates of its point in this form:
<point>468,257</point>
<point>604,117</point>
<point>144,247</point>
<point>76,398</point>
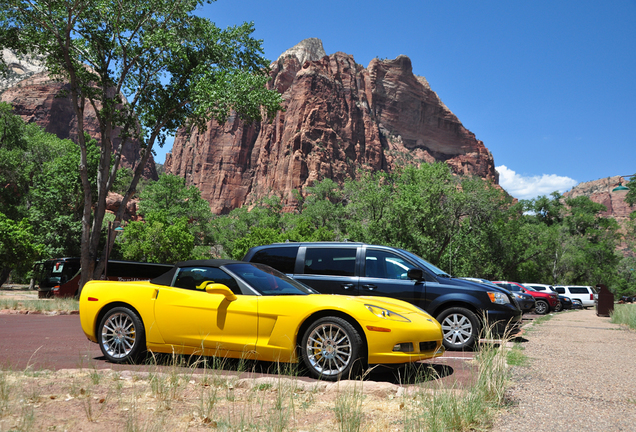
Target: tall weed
<point>624,314</point>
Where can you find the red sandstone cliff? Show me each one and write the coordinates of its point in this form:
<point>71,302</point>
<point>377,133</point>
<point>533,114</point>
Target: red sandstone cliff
<point>339,117</point>
<point>36,99</point>
<point>600,191</point>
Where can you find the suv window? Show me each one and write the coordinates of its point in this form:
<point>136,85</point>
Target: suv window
<point>330,261</point>
<point>386,265</point>
<point>578,290</point>
<point>192,277</point>
<point>281,258</point>
<point>560,290</point>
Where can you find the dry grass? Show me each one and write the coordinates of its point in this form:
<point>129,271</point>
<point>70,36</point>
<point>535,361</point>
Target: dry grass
<point>204,396</point>
<point>24,300</point>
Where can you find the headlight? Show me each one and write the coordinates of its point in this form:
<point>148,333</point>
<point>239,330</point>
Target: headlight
<point>386,314</point>
<point>498,298</point>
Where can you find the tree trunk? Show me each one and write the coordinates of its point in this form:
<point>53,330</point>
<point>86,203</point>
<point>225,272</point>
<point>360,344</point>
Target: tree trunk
<point>4,275</point>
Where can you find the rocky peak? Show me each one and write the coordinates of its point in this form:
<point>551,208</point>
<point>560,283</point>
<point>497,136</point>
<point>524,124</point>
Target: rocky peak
<point>339,118</point>
<point>306,50</point>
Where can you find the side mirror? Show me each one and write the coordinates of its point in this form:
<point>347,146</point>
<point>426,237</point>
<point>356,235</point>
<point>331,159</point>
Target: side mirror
<point>415,274</point>
<point>217,288</point>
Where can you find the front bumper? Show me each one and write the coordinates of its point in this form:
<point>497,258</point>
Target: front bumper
<point>502,323</point>
<point>526,305</point>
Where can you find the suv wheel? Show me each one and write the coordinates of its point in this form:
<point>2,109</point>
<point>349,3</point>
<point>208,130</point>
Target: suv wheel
<point>541,307</point>
<point>460,327</point>
<point>558,307</point>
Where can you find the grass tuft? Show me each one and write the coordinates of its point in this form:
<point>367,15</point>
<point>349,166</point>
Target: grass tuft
<point>624,314</point>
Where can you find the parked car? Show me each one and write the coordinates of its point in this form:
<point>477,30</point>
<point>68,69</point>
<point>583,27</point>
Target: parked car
<point>525,301</point>
<point>245,310</point>
<point>540,287</point>
<point>586,294</point>
<point>576,304</point>
<point>544,302</point>
<point>564,302</point>
<point>373,270</point>
<point>60,277</point>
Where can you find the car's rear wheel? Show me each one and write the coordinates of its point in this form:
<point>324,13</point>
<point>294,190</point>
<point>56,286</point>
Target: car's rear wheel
<point>332,349</point>
<point>121,335</point>
<point>558,307</point>
<point>541,307</point>
<point>460,327</point>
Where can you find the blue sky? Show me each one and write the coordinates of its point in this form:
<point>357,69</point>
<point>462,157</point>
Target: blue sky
<point>549,87</point>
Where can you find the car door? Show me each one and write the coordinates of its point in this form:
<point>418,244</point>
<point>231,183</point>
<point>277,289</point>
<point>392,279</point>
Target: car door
<point>187,315</point>
<point>385,274</point>
<point>329,270</point>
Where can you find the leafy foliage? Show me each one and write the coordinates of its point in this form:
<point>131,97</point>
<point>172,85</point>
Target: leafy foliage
<point>18,248</point>
<point>176,221</point>
<point>463,225</point>
<point>146,68</point>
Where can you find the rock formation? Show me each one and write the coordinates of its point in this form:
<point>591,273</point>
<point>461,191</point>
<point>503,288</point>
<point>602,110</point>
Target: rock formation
<point>600,191</point>
<point>36,98</point>
<point>339,118</point>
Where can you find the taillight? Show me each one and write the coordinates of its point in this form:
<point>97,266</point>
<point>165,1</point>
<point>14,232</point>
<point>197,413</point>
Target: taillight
<point>591,296</point>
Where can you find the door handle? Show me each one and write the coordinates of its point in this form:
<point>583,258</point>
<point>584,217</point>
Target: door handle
<point>370,287</point>
<point>347,286</point>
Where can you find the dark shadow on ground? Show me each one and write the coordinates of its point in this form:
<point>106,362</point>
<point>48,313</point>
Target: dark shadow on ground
<point>403,374</point>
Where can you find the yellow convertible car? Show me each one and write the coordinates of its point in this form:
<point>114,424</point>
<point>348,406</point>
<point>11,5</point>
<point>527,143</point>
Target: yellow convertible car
<point>245,310</point>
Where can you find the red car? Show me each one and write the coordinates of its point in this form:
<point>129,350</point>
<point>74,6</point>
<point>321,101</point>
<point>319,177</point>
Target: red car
<point>545,302</point>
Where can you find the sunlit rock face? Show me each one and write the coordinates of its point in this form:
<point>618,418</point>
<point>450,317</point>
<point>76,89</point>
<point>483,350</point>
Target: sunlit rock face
<point>601,191</point>
<point>339,118</point>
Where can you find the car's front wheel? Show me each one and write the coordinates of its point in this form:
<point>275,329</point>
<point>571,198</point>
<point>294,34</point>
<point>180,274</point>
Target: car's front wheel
<point>558,307</point>
<point>541,307</point>
<point>121,335</point>
<point>460,328</point>
<point>332,349</point>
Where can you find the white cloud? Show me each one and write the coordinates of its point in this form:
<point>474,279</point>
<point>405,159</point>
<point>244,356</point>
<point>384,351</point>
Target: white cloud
<point>523,187</point>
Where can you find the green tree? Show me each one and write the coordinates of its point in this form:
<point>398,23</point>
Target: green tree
<point>156,240</point>
<point>168,202</point>
<point>630,198</point>
<point>18,246</point>
<point>171,197</point>
<point>590,241</point>
<point>146,68</point>
<point>40,182</point>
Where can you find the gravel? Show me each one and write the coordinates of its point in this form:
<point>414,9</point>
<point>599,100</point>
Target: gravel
<point>581,377</point>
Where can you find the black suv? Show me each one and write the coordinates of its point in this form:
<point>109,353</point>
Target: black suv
<point>362,269</point>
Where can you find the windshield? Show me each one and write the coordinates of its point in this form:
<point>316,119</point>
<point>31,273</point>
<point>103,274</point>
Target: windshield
<point>268,281</point>
<point>529,288</point>
<point>57,272</point>
<point>427,265</point>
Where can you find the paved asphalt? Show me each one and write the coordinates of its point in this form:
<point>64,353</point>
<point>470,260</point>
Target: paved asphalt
<point>56,342</point>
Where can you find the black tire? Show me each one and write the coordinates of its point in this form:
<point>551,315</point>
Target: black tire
<point>460,327</point>
<point>121,335</point>
<point>331,349</point>
<point>558,307</point>
<point>541,307</point>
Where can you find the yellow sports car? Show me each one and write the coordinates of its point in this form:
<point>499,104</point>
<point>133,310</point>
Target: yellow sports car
<point>245,310</point>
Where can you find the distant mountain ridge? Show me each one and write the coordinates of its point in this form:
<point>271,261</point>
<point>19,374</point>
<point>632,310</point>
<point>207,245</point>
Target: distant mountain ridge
<point>339,118</point>
<point>600,191</point>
